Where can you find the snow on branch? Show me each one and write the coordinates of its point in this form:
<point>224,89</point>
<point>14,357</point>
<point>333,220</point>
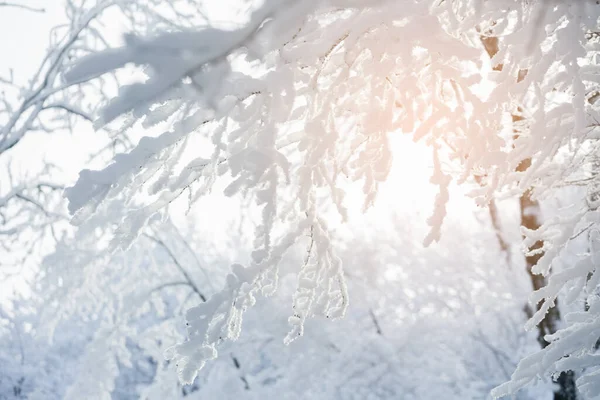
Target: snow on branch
<point>299,102</point>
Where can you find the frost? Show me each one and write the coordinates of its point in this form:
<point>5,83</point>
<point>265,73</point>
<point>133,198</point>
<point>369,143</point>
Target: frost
<point>299,101</point>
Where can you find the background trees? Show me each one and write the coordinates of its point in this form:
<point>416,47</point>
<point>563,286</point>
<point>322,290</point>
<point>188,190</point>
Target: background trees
<point>291,112</point>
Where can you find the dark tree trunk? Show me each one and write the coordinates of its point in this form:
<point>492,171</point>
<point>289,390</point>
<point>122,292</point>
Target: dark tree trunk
<point>567,389</point>
<point>530,219</point>
<point>530,210</point>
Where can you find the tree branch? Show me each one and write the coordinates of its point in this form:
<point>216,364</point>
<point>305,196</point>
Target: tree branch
<point>375,322</point>
<point>187,277</point>
<point>70,110</point>
<point>165,285</point>
<point>22,6</point>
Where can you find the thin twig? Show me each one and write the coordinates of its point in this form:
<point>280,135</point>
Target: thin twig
<point>178,265</point>
<point>375,322</point>
<point>165,285</point>
<point>22,6</point>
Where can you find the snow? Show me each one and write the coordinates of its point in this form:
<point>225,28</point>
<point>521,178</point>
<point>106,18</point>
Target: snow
<point>291,116</point>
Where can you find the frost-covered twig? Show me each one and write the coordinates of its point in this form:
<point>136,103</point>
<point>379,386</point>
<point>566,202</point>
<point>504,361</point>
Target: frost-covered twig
<point>23,6</point>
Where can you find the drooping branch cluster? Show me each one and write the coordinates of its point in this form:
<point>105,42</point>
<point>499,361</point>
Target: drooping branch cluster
<point>299,101</point>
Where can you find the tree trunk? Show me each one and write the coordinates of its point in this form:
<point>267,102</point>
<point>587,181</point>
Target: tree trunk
<point>530,219</point>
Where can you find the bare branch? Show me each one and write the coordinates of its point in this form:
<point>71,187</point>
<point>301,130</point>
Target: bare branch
<point>169,284</point>
<point>375,322</point>
<point>70,109</point>
<point>22,6</point>
<point>187,277</point>
<point>33,103</point>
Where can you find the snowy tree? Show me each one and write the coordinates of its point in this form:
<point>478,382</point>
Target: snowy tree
<point>42,119</point>
<point>293,107</point>
<point>43,107</point>
<point>301,98</point>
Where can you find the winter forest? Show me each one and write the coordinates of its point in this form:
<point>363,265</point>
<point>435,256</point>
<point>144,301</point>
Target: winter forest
<point>300,199</point>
